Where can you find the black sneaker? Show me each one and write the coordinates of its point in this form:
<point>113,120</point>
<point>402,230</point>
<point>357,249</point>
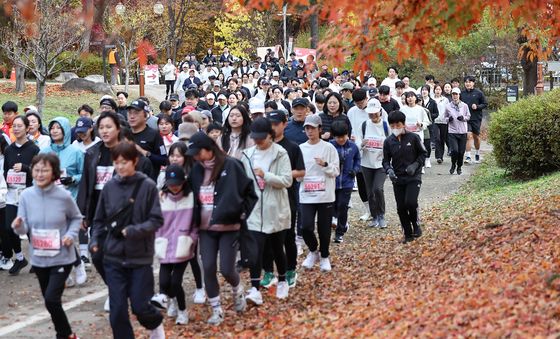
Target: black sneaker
<point>459,171</point>
<point>338,239</point>
<point>452,169</point>
<point>417,232</point>
<point>407,240</point>
<point>18,266</point>
<point>439,161</point>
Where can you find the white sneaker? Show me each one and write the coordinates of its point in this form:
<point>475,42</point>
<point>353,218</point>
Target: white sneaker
<point>217,316</point>
<point>160,301</point>
<point>310,260</point>
<point>282,290</point>
<point>325,265</point>
<point>70,280</point>
<point>158,332</point>
<point>172,309</point>
<point>182,318</point>
<point>428,163</point>
<point>81,275</point>
<point>240,304</point>
<point>6,264</point>
<point>366,215</point>
<point>107,306</point>
<point>254,297</point>
<point>199,296</point>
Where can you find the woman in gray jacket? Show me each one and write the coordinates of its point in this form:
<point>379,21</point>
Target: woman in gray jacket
<point>52,218</point>
<point>268,164</point>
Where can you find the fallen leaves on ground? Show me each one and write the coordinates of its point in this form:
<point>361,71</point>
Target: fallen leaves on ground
<point>468,276</point>
<point>31,90</point>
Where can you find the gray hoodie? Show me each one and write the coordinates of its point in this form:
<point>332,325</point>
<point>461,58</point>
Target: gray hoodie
<point>49,214</point>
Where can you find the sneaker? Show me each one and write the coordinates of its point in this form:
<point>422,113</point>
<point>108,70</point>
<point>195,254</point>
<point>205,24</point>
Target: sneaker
<point>107,306</point>
<point>338,239</point>
<point>452,169</point>
<point>459,171</point>
<point>268,280</point>
<point>239,302</point>
<point>417,232</point>
<point>381,221</point>
<point>439,161</point>
<point>86,262</point>
<point>217,316</point>
<point>310,260</point>
<point>172,309</point>
<point>468,160</point>
<point>70,281</point>
<point>428,163</point>
<point>477,159</point>
<point>373,223</point>
<point>282,290</point>
<point>325,265</point>
<point>160,301</point>
<point>81,275</point>
<point>182,318</point>
<point>6,264</point>
<point>199,296</point>
<point>291,278</point>
<point>254,297</point>
<point>158,332</point>
<point>18,266</point>
<point>407,240</point>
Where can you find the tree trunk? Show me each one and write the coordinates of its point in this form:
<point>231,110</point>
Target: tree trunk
<point>529,73</point>
<point>40,96</point>
<point>20,79</point>
<point>314,30</point>
<point>171,43</point>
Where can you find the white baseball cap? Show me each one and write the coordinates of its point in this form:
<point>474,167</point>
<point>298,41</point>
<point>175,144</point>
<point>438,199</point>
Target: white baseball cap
<point>373,106</point>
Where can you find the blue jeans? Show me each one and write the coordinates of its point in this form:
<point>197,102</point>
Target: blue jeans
<point>136,284</point>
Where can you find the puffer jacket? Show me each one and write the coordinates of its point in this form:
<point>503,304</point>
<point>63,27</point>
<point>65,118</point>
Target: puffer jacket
<point>350,163</point>
<point>272,211</point>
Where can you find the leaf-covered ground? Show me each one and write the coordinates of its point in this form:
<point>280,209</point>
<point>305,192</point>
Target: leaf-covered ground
<point>487,266</point>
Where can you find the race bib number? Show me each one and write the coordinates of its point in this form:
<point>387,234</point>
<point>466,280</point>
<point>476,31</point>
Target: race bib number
<point>261,183</point>
<point>373,144</point>
<point>45,243</point>
<point>314,184</point>
<point>16,178</point>
<point>103,175</point>
<point>412,127</point>
<point>206,196</point>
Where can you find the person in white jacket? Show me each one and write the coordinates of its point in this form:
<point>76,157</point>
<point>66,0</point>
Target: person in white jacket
<point>268,164</point>
<point>169,74</point>
<point>317,193</point>
<point>178,88</point>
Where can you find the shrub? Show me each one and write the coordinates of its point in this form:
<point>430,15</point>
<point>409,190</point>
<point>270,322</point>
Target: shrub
<point>83,65</point>
<point>525,135</point>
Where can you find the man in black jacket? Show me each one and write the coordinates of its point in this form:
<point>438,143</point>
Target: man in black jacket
<point>403,158</point>
<point>475,99</point>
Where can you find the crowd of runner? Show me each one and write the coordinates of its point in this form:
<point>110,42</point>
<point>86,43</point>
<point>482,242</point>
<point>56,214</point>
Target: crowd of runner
<point>247,165</point>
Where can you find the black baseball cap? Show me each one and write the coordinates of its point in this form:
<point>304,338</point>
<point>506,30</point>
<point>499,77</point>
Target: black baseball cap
<point>261,128</point>
<point>174,175</point>
<point>198,141</point>
<point>276,116</point>
<point>83,124</point>
<point>174,96</point>
<point>300,102</point>
<point>108,102</point>
<point>137,105</point>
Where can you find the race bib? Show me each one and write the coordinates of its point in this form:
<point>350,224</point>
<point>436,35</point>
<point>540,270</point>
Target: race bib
<point>374,143</point>
<point>314,184</point>
<point>261,183</point>
<point>206,196</point>
<point>46,243</point>
<point>103,175</point>
<point>16,178</point>
<point>412,127</point>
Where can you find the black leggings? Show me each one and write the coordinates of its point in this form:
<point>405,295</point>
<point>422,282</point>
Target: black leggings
<point>11,243</point>
<point>324,213</point>
<point>362,190</point>
<point>406,196</point>
<point>289,246</point>
<point>97,258</point>
<point>52,280</point>
<point>457,146</point>
<point>441,141</point>
<point>168,88</point>
<point>171,282</point>
<point>428,147</point>
<point>276,242</point>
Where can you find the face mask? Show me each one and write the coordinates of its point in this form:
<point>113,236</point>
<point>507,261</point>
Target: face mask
<point>397,131</point>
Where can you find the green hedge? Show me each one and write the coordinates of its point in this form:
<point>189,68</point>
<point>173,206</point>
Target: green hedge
<point>526,135</point>
<point>83,65</point>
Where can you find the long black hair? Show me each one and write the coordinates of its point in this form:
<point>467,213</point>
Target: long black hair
<point>245,128</point>
<point>341,104</point>
<point>182,148</point>
<point>36,115</point>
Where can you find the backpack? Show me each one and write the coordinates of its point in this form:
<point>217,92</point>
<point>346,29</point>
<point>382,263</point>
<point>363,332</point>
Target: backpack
<point>385,128</point>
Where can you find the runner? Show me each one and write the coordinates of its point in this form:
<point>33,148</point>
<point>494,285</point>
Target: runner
<point>175,243</point>
<point>476,101</point>
<point>10,111</point>
<point>235,137</point>
<point>349,156</point>
<point>226,197</point>
<point>165,125</point>
<point>334,110</point>
<point>457,114</point>
<point>51,218</point>
<point>36,132</point>
<point>317,193</point>
<point>403,158</point>
<point>373,133</point>
<point>431,106</point>
<point>268,164</point>
<point>17,171</point>
<point>440,123</point>
<point>86,137</point>
<point>127,227</point>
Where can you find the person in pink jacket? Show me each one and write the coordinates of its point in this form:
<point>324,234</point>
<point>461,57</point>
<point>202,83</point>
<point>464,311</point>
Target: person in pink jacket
<point>175,243</point>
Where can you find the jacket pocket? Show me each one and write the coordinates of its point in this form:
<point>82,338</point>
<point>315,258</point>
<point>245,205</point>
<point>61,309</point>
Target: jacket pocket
<point>160,246</point>
<point>184,246</point>
<point>135,249</point>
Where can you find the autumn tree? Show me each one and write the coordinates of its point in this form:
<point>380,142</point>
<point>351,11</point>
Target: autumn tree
<point>39,48</point>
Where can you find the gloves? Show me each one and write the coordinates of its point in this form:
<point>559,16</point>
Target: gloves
<point>352,174</point>
<point>66,181</point>
<point>411,169</point>
<point>392,175</point>
<point>461,118</point>
<point>450,119</point>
